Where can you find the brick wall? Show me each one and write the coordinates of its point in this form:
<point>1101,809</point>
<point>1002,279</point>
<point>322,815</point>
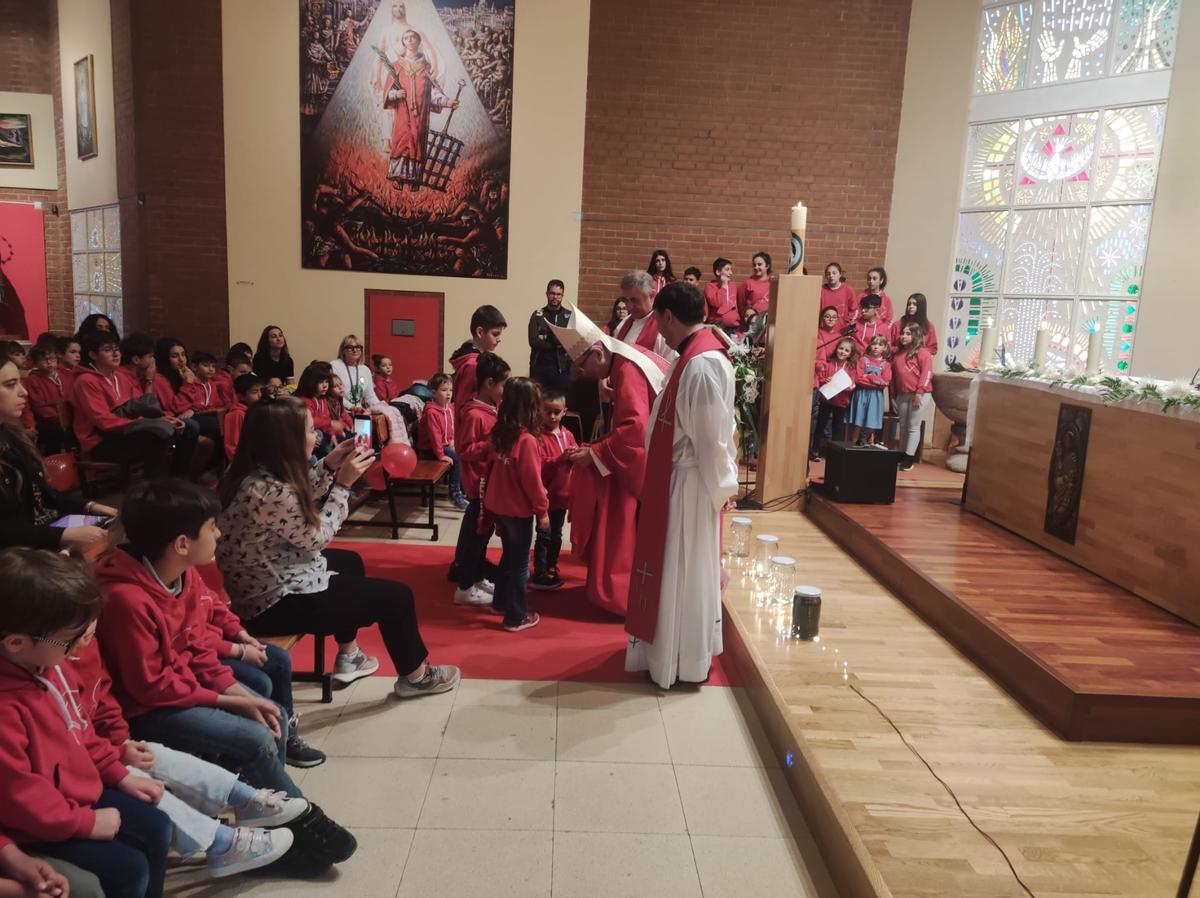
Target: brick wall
<point>171,168</point>
<point>29,64</point>
<point>706,121</point>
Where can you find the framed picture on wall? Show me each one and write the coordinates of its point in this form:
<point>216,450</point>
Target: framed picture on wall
<point>85,108</point>
<point>16,140</point>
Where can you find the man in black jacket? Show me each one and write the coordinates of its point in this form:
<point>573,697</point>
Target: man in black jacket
<point>549,364</point>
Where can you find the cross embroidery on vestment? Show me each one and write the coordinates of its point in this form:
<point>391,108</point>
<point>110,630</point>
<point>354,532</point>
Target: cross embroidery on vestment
<point>645,574</point>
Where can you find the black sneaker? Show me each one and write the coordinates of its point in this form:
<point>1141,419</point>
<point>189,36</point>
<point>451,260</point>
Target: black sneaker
<point>301,754</point>
<point>320,840</point>
<point>545,582</point>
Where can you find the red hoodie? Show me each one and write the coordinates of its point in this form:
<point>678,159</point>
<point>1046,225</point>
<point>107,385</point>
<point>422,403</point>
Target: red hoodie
<point>89,677</point>
<point>826,370</point>
<point>436,430</point>
<point>514,486</point>
<point>721,304</point>
<point>232,428</point>
<point>466,387</point>
<point>474,451</point>
<point>224,381</point>
<point>94,397</point>
<point>885,306</point>
<point>385,389</point>
<point>319,409</point>
<point>754,293</point>
<point>842,298</point>
<point>173,403</point>
<point>157,645</point>
<point>53,765</point>
<point>47,391</point>
<point>223,624</point>
<point>202,396</point>
<point>556,470</point>
<point>912,374</point>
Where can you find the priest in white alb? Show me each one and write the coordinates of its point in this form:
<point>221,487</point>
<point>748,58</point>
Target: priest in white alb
<point>674,611</point>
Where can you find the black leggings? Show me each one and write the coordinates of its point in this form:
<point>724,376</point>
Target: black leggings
<point>351,601</point>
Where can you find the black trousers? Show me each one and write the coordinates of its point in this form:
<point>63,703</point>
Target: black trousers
<point>352,601</point>
<point>151,449</point>
<point>830,414</point>
<point>548,543</point>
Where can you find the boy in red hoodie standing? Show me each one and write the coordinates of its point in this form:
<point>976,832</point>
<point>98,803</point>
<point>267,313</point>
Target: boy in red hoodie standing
<point>487,328</point>
<point>556,476</point>
<point>478,418</point>
<point>169,681</point>
<point>67,794</point>
<point>435,434</point>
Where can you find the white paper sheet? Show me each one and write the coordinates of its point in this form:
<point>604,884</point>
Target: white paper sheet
<point>838,383</point>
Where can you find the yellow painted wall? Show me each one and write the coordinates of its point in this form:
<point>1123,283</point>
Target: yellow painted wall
<point>262,185</point>
<point>84,27</point>
<point>929,161</point>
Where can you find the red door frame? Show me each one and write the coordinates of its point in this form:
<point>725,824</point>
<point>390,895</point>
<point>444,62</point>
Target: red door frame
<point>441,298</point>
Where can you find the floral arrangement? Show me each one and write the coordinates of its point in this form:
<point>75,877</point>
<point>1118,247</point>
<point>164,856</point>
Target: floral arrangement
<point>1178,393</point>
<point>748,379</point>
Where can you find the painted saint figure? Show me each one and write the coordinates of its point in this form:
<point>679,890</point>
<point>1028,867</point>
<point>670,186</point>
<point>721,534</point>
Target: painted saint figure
<point>413,95</point>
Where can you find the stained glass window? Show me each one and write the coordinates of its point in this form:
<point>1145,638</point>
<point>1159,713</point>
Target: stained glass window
<point>1021,319</point>
<point>1145,35</point>
<point>979,255</point>
<point>1116,250</point>
<point>1044,252</point>
<point>1057,155</point>
<point>96,263</point>
<point>967,315</point>
<point>1003,48</point>
<point>1071,40</point>
<point>1126,165</point>
<point>991,160</point>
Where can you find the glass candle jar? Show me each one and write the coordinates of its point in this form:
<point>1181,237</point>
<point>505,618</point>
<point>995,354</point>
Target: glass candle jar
<point>783,579</point>
<point>740,530</point>
<point>766,547</point>
<point>806,613</point>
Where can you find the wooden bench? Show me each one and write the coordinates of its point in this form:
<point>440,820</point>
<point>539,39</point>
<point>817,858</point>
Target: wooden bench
<point>318,674</point>
<point>425,477</point>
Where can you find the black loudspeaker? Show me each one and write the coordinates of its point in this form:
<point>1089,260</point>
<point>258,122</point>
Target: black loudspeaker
<point>860,474</point>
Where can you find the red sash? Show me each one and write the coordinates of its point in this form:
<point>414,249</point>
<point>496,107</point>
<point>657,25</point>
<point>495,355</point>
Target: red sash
<point>647,338</point>
<point>645,585</point>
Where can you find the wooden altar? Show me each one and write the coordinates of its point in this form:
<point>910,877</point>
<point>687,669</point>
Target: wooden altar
<point>1114,489</point>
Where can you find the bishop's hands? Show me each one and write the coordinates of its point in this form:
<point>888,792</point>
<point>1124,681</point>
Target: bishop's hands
<point>579,455</point>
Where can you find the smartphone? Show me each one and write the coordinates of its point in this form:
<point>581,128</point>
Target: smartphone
<point>362,431</point>
<point>83,520</point>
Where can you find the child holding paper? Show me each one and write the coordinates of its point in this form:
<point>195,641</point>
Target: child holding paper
<point>836,376</point>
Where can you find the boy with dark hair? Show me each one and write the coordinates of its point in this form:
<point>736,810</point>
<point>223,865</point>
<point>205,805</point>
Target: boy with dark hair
<point>153,636</point>
<point>248,389</point>
<point>67,794</point>
<point>137,362</point>
<point>692,275</point>
<point>48,394</point>
<point>239,360</point>
<point>720,297</point>
<point>556,475</point>
<point>478,417</point>
<point>487,328</point>
<point>869,324</point>
<point>204,395</point>
<point>68,354</point>
<point>435,434</point>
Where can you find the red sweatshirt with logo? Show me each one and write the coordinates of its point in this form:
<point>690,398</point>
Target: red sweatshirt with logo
<point>514,486</point>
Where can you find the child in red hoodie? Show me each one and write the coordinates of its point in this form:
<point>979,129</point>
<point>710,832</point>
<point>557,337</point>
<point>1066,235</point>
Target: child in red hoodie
<point>66,793</point>
<point>385,388</point>
<point>313,388</point>
<point>248,390</point>
<point>515,497</point>
<point>487,327</point>
<point>203,395</point>
<point>169,681</point>
<point>912,381</point>
<point>435,434</point>
<point>49,393</point>
<point>478,417</point>
<point>556,476</point>
<point>833,408</point>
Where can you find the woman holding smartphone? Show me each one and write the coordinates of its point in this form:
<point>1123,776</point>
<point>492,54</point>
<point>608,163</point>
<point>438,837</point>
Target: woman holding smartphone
<point>28,505</point>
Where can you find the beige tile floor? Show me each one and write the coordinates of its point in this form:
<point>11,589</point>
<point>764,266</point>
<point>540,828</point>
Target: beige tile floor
<point>517,788</point>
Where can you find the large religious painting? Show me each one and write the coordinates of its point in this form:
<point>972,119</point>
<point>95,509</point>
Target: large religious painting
<point>1067,461</point>
<point>405,129</point>
<point>23,308</point>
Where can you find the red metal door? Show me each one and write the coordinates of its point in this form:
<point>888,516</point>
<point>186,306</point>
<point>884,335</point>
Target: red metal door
<point>406,327</point>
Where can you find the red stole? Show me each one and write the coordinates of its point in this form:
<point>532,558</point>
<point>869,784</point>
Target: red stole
<point>645,585</point>
<point>647,338</point>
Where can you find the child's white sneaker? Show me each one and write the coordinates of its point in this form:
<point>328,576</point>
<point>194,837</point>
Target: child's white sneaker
<point>251,849</point>
<point>472,596</point>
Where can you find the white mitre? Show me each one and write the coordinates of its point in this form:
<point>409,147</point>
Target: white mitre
<point>581,335</point>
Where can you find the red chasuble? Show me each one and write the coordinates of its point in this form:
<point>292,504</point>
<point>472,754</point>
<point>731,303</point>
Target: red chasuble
<point>603,509</point>
<point>645,588</point>
<point>647,338</point>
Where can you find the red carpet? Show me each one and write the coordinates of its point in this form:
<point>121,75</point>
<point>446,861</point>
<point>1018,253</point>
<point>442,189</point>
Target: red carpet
<point>575,640</point>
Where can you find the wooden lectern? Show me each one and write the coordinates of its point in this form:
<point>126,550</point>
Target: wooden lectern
<point>783,426</point>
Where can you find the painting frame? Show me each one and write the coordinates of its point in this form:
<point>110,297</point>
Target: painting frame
<point>21,157</point>
<point>86,140</point>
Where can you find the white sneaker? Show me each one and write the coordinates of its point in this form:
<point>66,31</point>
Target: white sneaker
<point>252,848</point>
<point>348,668</point>
<point>472,596</point>
<point>486,586</point>
<point>269,808</point>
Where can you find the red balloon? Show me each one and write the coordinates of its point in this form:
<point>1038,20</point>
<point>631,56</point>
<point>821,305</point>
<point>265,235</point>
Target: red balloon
<point>399,460</point>
<point>375,477</point>
<point>61,473</point>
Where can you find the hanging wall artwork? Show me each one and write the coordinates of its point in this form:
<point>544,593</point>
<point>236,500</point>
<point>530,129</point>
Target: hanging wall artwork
<point>85,108</point>
<point>405,129</point>
<point>16,140</point>
<point>23,309</point>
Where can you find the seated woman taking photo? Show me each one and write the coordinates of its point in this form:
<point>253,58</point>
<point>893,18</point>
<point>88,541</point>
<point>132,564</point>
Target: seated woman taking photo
<point>28,506</point>
<point>279,517</point>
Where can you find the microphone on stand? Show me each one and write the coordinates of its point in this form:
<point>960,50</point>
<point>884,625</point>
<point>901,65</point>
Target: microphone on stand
<point>1195,374</point>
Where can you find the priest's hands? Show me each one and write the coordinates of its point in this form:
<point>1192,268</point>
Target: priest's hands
<point>580,455</point>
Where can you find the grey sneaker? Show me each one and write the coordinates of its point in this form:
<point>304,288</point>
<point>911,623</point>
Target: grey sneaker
<point>251,849</point>
<point>438,678</point>
<point>270,809</point>
<point>348,668</point>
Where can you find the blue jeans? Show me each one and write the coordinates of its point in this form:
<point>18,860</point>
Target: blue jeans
<point>273,679</point>
<point>455,470</point>
<point>133,864</point>
<point>548,543</point>
<point>214,732</point>
<point>516,536</point>
<point>208,425</point>
<point>471,550</point>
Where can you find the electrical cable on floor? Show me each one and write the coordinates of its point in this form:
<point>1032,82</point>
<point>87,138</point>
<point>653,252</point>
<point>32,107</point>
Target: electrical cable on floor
<point>945,786</point>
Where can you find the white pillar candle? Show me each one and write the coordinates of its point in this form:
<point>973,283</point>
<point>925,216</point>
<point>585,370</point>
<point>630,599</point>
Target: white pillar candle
<point>799,227</point>
<point>1040,345</point>
<point>987,346</point>
<point>1095,352</point>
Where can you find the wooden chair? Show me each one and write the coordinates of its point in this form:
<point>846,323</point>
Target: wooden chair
<point>425,477</point>
<point>318,674</point>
